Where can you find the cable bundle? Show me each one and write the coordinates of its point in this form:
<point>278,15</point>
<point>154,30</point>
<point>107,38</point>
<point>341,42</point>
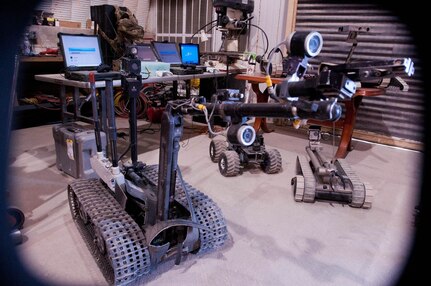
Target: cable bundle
<point>121,103</point>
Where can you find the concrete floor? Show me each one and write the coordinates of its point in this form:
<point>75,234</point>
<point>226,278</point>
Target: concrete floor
<point>273,240</point>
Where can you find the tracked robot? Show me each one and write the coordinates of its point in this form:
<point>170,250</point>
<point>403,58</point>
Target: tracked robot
<point>317,177</point>
<point>135,216</point>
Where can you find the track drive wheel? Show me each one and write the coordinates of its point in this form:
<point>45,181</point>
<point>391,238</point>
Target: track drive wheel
<point>271,161</point>
<point>15,217</point>
<point>369,196</point>
<point>229,163</point>
<point>217,147</point>
<point>99,240</point>
<point>298,186</point>
<point>83,214</point>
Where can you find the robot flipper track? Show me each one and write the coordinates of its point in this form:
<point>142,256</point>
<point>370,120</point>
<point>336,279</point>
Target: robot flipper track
<point>304,183</point>
<point>118,239</point>
<point>309,185</point>
<point>362,193</point>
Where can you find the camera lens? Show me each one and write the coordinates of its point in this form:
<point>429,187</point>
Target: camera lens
<point>243,135</point>
<point>304,44</point>
<point>247,135</point>
<point>313,44</point>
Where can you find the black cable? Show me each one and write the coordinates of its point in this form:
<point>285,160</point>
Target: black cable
<point>124,153</point>
<point>149,130</point>
<point>209,30</point>
<point>266,37</point>
<point>278,50</point>
<point>201,29</point>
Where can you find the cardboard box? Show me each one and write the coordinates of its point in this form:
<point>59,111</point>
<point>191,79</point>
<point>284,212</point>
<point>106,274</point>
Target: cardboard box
<point>69,24</point>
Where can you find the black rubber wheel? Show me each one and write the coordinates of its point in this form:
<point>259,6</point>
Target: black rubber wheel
<point>16,217</point>
<point>83,214</point>
<point>216,148</point>
<point>99,240</point>
<point>229,164</point>
<point>271,161</point>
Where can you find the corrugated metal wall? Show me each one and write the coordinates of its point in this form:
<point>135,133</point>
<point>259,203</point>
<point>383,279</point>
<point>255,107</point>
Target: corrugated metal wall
<point>396,114</point>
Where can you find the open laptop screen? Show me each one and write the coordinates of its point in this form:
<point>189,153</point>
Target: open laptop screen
<point>189,54</point>
<point>167,52</point>
<point>146,53</point>
<point>80,51</point>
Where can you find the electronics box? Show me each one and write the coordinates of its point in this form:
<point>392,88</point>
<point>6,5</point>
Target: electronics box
<point>75,144</point>
<point>150,68</point>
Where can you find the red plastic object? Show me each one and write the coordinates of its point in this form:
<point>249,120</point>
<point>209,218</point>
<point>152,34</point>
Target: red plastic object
<point>154,114</point>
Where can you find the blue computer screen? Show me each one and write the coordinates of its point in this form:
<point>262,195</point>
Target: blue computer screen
<point>81,50</point>
<point>189,54</point>
<point>167,52</point>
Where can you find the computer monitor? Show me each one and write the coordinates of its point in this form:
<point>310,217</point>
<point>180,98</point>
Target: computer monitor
<point>146,53</point>
<point>189,54</point>
<point>167,52</point>
<point>80,51</point>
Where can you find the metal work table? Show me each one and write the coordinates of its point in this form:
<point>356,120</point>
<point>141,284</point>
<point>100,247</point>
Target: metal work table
<point>63,82</point>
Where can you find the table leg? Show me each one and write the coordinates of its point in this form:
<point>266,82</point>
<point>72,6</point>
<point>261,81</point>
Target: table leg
<point>175,89</point>
<point>348,126</point>
<point>259,122</point>
<point>77,111</point>
<point>63,103</point>
<point>188,93</point>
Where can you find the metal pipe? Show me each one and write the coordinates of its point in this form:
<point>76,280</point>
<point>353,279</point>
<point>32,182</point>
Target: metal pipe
<point>314,160</point>
<point>95,113</point>
<point>112,129</point>
<point>319,110</point>
<point>133,130</point>
<point>171,130</point>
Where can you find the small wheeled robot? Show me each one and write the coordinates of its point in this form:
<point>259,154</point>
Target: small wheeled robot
<point>321,179</point>
<point>243,147</point>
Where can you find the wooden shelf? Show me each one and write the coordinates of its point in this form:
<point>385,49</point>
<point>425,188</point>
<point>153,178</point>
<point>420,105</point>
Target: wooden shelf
<point>41,59</point>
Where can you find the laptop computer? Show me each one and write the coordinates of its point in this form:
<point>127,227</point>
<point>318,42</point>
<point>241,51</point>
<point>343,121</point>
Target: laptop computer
<point>167,52</point>
<point>190,59</point>
<point>146,53</point>
<point>82,55</point>
<point>190,55</point>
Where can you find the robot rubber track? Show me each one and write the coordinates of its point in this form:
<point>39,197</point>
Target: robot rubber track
<point>118,240</point>
<point>307,184</point>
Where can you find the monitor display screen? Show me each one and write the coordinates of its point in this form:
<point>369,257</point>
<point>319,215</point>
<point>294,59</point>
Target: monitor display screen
<point>189,54</point>
<point>80,51</point>
<point>167,52</point>
<point>146,53</point>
